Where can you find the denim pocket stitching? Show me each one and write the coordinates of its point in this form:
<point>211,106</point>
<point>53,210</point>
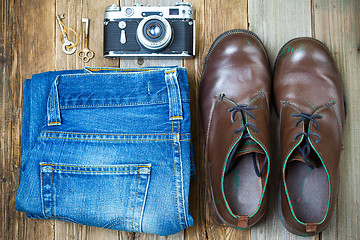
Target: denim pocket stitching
<point>101,166</point>
<point>52,167</point>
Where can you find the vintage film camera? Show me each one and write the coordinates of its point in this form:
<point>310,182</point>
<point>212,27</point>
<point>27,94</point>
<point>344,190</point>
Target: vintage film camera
<point>148,31</point>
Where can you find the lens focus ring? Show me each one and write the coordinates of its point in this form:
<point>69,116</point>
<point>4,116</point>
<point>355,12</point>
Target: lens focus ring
<point>154,32</point>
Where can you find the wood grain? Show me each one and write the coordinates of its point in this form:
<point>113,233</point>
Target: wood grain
<point>197,189</point>
<point>337,25</point>
<point>24,51</point>
<point>74,12</point>
<point>213,18</point>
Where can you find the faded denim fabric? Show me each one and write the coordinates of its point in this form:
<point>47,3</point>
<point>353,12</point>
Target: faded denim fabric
<point>109,148</point>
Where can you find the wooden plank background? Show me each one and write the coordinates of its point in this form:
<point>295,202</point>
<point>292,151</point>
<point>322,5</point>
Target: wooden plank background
<point>29,44</point>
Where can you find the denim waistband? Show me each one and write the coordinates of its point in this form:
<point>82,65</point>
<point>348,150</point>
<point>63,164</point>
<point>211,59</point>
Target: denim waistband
<point>65,92</point>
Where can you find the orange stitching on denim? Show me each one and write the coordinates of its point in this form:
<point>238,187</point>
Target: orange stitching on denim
<point>144,166</point>
<point>116,140</point>
<point>170,71</point>
<point>110,140</point>
<point>54,122</point>
<point>120,70</point>
<point>176,117</point>
<point>68,170</point>
<point>99,166</point>
<point>108,74</point>
<point>114,134</point>
<point>119,105</point>
<point>113,105</point>
<point>125,69</point>
<point>47,164</point>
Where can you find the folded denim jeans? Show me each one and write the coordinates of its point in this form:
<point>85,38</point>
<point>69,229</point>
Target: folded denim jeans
<point>108,147</point>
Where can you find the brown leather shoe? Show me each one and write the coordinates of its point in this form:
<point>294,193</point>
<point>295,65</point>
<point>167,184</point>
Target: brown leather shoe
<point>234,101</point>
<point>310,102</point>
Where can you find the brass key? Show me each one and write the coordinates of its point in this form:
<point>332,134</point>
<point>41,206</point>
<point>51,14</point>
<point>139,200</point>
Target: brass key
<point>86,54</point>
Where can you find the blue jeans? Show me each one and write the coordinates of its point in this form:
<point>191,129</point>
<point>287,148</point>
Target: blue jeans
<point>109,148</point>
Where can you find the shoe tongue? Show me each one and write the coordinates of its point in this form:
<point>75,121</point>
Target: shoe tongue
<point>248,146</point>
<point>297,156</point>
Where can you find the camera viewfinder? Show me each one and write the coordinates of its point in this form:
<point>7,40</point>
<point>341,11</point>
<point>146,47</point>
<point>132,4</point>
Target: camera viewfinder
<point>173,11</point>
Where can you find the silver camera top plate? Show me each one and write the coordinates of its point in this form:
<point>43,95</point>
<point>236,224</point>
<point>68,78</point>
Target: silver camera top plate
<point>181,10</point>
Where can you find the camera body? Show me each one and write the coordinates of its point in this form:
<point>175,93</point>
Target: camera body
<point>149,31</point>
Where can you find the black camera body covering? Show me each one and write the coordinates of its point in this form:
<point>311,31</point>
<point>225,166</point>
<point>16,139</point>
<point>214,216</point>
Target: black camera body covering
<point>149,31</point>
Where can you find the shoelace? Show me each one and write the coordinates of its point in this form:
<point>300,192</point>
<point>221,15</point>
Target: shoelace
<point>305,150</point>
<point>244,108</point>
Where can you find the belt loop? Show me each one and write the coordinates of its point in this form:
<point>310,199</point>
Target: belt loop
<point>175,105</point>
<point>53,106</point>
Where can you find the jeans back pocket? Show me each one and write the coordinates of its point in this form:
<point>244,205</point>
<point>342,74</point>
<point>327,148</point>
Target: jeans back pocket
<point>110,196</point>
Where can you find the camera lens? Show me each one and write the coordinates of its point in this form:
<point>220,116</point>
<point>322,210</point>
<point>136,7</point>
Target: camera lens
<point>154,32</point>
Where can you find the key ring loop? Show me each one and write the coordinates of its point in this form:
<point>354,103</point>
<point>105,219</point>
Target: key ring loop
<point>65,31</point>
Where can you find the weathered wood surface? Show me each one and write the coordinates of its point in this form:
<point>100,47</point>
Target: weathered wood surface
<point>213,18</point>
<point>29,44</point>
<point>337,25</point>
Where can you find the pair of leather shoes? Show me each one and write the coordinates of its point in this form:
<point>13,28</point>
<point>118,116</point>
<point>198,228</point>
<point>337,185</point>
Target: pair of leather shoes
<point>235,108</point>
